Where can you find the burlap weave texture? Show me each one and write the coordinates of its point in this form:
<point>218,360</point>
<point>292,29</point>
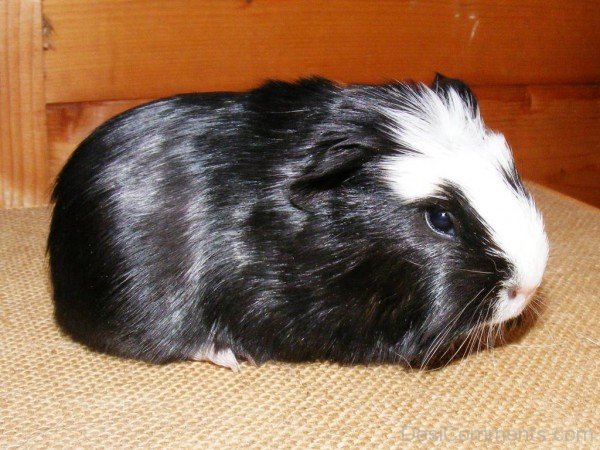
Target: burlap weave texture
<point>543,389</point>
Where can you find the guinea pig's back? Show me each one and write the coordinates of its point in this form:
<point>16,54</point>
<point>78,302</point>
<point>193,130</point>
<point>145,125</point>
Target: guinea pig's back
<point>132,232</point>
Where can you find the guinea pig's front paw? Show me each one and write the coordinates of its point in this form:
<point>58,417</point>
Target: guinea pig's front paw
<point>223,357</point>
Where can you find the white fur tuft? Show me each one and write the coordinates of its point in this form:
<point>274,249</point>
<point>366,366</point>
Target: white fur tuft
<point>448,142</point>
<point>224,357</point>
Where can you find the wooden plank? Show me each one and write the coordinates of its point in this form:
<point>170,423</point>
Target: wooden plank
<point>23,153</point>
<point>112,49</point>
<point>554,131</point>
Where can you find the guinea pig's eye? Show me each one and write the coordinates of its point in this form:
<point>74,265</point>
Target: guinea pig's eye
<point>440,221</point>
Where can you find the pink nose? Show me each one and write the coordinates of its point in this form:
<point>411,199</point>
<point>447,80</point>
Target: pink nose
<point>521,292</point>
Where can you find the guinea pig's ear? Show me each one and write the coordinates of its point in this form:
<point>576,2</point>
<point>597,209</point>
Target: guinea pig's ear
<point>329,169</point>
<point>442,84</point>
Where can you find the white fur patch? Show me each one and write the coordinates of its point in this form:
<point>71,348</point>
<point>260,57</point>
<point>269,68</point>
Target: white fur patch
<point>450,144</point>
<point>507,308</point>
<point>223,358</point>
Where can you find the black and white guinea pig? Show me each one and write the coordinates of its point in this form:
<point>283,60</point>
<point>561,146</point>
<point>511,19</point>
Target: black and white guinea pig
<point>295,222</point>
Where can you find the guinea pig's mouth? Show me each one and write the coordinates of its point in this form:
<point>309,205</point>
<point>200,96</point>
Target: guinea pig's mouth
<point>511,302</point>
<point>497,331</point>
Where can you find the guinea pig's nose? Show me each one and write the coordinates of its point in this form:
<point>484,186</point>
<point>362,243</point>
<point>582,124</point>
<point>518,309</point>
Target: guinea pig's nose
<point>521,292</point>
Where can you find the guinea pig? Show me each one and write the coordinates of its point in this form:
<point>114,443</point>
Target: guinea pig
<point>294,222</point>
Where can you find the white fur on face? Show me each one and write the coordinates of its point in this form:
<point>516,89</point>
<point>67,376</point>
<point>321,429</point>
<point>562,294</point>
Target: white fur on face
<point>449,144</point>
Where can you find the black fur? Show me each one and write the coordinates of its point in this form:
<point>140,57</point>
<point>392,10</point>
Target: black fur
<point>261,222</point>
<point>441,84</point>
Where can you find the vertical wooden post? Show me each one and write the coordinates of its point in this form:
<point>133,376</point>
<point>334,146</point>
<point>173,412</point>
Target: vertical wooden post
<point>23,150</point>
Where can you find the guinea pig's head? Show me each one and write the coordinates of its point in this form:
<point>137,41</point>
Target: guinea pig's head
<point>451,224</point>
<point>477,231</point>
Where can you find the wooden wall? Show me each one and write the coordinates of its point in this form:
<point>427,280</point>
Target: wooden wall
<point>535,64</point>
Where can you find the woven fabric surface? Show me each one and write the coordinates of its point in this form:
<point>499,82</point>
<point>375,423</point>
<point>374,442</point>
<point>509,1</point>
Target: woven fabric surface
<point>543,389</point>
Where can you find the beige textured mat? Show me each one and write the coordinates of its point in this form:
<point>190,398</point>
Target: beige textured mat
<point>543,389</point>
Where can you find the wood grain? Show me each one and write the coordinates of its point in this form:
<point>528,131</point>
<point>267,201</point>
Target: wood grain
<point>110,49</point>
<point>554,132</point>
<point>23,153</point>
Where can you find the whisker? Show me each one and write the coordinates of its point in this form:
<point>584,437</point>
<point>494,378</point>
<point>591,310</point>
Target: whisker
<point>473,334</point>
<point>429,355</point>
<point>477,271</point>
